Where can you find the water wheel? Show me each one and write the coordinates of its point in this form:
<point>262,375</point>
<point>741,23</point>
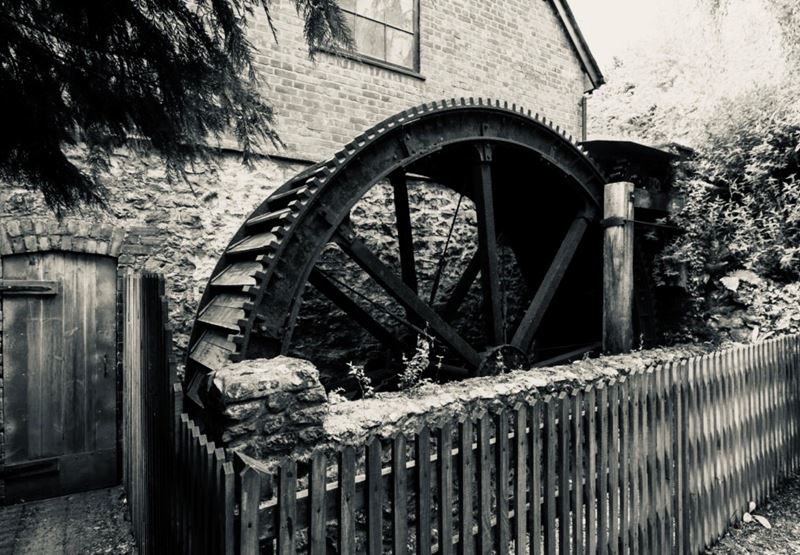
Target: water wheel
<point>530,195</point>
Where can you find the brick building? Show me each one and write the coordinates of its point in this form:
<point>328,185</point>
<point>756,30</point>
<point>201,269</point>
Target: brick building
<point>408,52</point>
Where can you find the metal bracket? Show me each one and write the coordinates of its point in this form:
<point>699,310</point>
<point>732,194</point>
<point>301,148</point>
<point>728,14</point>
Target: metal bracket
<point>619,220</point>
<point>613,221</point>
<point>28,287</point>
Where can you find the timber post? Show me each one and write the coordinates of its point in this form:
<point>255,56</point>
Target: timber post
<point>618,267</point>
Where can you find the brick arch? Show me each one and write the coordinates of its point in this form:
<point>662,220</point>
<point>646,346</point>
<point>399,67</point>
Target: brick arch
<point>26,235</point>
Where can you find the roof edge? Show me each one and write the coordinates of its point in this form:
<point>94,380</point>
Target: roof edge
<point>587,59</point>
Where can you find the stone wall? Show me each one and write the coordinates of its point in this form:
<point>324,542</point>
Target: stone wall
<point>265,408</point>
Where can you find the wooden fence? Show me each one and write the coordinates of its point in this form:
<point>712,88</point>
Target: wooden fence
<point>148,369</point>
<point>661,461</point>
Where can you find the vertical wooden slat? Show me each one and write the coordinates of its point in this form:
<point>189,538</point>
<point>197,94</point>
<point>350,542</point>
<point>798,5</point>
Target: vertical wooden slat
<point>211,499</point>
<point>466,479</point>
<point>750,385</point>
<point>317,487</point>
<point>624,456</point>
<point>602,469</point>
<point>665,477</point>
<point>633,461</point>
<point>740,430</point>
<point>613,465</point>
<point>228,508</point>
<point>249,492</point>
<point>717,447</point>
<point>646,532</point>
<point>503,535</point>
<point>445,475</point>
<point>576,401</point>
<point>590,488</point>
<point>704,455</point>
<point>563,473</point>
<point>347,500</point>
<point>399,496</point>
<point>650,429</point>
<point>535,446</point>
<point>374,497</point>
<point>550,486</point>
<point>287,506</point>
<point>423,494</point>
<point>484,486</point>
<point>520,478</point>
<point>677,417</point>
<point>729,456</point>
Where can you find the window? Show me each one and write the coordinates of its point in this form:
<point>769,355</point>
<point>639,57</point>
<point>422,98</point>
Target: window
<point>384,30</point>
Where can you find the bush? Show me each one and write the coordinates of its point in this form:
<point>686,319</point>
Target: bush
<point>742,195</point>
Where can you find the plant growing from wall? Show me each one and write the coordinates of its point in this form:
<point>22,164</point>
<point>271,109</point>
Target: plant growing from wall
<point>364,382</point>
<point>415,367</point>
<point>171,74</point>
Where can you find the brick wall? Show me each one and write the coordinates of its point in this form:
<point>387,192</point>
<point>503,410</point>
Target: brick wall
<point>515,50</point>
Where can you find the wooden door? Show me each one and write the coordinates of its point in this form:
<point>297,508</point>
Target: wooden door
<point>59,363</point>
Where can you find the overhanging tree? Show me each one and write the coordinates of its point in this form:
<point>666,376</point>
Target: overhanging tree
<point>170,73</point>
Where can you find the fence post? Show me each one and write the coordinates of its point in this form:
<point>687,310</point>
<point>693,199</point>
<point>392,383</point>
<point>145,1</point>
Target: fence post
<point>618,268</point>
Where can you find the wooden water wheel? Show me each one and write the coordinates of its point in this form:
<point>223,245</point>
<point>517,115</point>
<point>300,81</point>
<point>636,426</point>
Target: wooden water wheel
<point>535,193</point>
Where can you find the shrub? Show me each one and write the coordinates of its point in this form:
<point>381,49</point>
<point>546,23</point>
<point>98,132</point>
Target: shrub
<point>742,195</point>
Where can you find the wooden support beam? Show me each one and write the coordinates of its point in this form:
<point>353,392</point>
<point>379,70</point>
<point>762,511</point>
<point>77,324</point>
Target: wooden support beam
<point>394,286</point>
<point>544,294</point>
<point>487,245</point>
<point>462,287</point>
<point>618,268</point>
<point>404,232</point>
<point>328,288</point>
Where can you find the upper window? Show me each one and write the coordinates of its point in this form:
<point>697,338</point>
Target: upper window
<point>385,30</point>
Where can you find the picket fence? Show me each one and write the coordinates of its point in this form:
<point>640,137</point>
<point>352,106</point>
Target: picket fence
<point>661,461</point>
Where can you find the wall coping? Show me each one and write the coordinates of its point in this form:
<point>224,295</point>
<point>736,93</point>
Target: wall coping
<point>355,422</point>
<point>27,235</point>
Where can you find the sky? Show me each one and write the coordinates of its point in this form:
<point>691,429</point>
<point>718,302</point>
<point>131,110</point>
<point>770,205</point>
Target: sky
<point>610,26</point>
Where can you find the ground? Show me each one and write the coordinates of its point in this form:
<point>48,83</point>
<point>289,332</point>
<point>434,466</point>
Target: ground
<point>84,523</point>
<point>783,513</point>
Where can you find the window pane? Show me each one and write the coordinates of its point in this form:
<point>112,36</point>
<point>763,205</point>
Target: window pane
<point>400,13</point>
<point>374,9</point>
<point>369,38</point>
<point>349,5</point>
<point>399,47</point>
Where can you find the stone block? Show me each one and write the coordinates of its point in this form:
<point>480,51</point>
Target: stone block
<point>309,416</point>
<point>256,379</point>
<point>278,402</point>
<point>255,405</point>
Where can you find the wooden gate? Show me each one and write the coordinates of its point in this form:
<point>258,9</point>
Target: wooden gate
<point>59,358</point>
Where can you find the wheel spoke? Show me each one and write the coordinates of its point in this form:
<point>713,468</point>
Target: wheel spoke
<point>541,300</point>
<point>487,246</point>
<point>404,236</point>
<point>463,285</point>
<point>324,285</point>
<point>409,300</point>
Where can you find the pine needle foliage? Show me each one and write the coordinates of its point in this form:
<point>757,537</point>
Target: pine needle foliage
<point>171,74</point>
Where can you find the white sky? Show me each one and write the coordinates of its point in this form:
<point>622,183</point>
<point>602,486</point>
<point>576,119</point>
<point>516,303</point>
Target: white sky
<point>612,25</point>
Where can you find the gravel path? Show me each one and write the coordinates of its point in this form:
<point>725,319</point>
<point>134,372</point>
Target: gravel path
<point>783,513</point>
<point>85,523</point>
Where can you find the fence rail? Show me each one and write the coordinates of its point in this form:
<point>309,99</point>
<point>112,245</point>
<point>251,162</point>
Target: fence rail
<point>656,461</point>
